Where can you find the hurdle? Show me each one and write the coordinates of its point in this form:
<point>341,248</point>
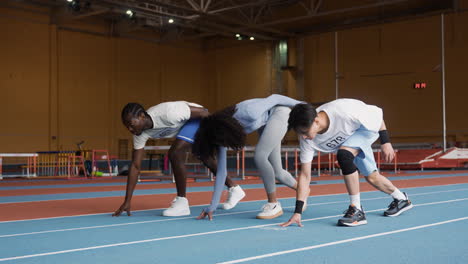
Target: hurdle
<point>241,155</point>
<point>378,157</point>
<point>31,164</point>
<point>167,166</point>
<point>53,163</point>
<point>75,163</point>
<point>330,161</point>
<point>286,150</point>
<point>240,162</point>
<point>100,154</point>
<point>190,161</point>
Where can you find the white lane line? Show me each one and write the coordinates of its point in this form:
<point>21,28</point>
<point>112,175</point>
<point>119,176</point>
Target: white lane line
<point>343,241</point>
<point>193,235</point>
<point>323,195</point>
<point>191,217</point>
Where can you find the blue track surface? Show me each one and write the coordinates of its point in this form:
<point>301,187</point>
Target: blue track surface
<point>147,237</point>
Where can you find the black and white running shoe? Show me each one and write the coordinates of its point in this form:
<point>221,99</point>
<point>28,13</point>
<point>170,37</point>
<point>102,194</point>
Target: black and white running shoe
<point>353,217</point>
<point>398,206</point>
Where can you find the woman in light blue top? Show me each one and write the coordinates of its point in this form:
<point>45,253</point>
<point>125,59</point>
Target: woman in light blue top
<point>228,129</point>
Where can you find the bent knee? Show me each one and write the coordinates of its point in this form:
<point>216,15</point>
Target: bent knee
<point>346,161</point>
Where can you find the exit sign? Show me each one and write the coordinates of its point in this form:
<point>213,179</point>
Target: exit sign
<point>421,85</point>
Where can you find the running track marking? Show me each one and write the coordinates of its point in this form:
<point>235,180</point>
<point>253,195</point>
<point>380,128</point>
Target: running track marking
<point>190,217</point>
<point>344,241</point>
<point>241,228</point>
<point>323,195</point>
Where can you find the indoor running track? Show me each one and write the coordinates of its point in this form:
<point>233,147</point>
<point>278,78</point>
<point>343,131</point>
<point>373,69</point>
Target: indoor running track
<point>434,231</point>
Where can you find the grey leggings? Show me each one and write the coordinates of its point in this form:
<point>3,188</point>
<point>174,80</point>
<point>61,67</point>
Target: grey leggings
<point>268,150</point>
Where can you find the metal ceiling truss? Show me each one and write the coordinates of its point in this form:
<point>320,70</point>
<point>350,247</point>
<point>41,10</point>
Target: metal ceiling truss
<point>312,7</point>
<point>205,18</point>
<point>391,16</point>
<point>152,12</point>
<point>379,3</point>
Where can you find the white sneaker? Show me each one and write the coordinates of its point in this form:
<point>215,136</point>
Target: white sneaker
<point>270,211</point>
<point>179,207</point>
<point>235,195</point>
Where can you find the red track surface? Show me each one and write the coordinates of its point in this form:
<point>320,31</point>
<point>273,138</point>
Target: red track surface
<point>44,209</point>
<point>45,190</point>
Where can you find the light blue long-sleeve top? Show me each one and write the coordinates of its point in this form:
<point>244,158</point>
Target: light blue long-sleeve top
<point>252,114</point>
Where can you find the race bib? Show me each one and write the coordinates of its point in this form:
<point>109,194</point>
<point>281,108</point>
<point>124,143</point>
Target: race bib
<point>333,142</point>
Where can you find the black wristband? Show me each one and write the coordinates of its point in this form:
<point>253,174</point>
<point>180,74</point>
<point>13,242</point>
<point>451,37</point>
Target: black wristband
<point>384,138</point>
<point>299,205</point>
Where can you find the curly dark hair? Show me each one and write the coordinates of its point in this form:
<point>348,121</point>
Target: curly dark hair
<point>218,129</point>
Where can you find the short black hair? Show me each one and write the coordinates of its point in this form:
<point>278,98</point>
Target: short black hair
<point>301,117</point>
<point>132,110</point>
<point>218,129</point>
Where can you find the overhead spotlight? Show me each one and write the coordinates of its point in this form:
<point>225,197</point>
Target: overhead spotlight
<point>129,13</point>
<point>170,21</point>
<point>237,35</point>
<point>74,5</point>
<point>252,38</point>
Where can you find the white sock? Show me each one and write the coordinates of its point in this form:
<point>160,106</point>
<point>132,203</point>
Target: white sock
<point>397,194</point>
<point>356,200</point>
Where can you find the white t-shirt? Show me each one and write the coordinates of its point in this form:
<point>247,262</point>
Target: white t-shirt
<point>167,118</point>
<point>346,116</point>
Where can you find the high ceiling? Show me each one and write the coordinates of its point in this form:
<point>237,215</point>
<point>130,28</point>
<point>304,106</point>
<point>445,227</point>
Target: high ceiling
<point>261,19</point>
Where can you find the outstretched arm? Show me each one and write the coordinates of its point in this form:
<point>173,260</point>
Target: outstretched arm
<point>133,173</point>
<point>221,175</point>
<point>303,190</point>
